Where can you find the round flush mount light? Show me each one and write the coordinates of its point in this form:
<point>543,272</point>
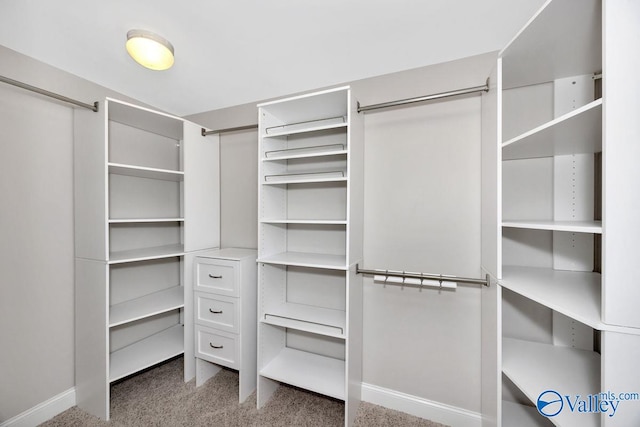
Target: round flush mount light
<point>150,50</point>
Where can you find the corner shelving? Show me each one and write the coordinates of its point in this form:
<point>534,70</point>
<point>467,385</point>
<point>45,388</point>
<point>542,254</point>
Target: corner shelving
<point>310,206</point>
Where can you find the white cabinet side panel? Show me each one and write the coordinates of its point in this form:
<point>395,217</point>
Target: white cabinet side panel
<point>92,385</point>
<point>355,228</point>
<point>620,355</point>
<point>201,189</point>
<point>491,212</point>
<point>354,346</point>
<point>621,174</point>
<point>90,183</point>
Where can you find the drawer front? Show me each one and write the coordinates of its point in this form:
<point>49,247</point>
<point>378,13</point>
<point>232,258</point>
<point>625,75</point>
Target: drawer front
<point>217,276</point>
<point>217,347</point>
<point>217,311</point>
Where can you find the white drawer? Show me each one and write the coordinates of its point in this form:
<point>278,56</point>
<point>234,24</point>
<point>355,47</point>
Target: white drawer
<point>217,276</point>
<point>217,311</point>
<point>217,347</point>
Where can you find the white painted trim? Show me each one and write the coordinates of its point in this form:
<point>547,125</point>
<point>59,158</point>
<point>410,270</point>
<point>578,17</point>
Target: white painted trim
<point>423,408</point>
<point>43,411</point>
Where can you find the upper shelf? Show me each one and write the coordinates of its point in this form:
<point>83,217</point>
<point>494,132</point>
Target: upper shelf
<point>144,172</point>
<point>145,119</point>
<point>301,259</point>
<point>579,131</point>
<point>305,127</point>
<point>563,39</point>
<point>146,306</point>
<point>146,254</point>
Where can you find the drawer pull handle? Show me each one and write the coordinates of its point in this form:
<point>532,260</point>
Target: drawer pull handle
<point>216,346</point>
<point>215,311</point>
<point>213,276</point>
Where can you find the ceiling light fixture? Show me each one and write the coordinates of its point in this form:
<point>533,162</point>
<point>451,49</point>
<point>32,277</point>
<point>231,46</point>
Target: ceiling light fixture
<point>150,50</point>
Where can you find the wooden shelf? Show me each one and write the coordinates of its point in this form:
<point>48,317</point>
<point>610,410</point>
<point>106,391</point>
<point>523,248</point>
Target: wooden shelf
<point>146,254</point>
<point>146,306</point>
<point>142,220</point>
<point>579,131</point>
<point>573,293</point>
<point>317,320</point>
<point>299,178</point>
<point>306,127</point>
<point>535,367</point>
<point>147,352</point>
<point>514,414</point>
<point>305,221</point>
<point>563,39</point>
<point>302,259</point>
<point>320,374</point>
<point>306,152</point>
<point>594,227</point>
<point>144,172</point>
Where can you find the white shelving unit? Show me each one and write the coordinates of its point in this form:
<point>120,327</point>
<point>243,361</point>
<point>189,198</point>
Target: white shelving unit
<point>556,222</point>
<point>147,200</point>
<point>309,241</point>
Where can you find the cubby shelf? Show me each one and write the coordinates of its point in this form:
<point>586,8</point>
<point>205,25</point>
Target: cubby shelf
<point>571,226</point>
<point>573,293</point>
<point>146,254</point>
<point>320,374</point>
<point>536,367</point>
<point>146,306</point>
<point>579,131</point>
<point>147,352</point>
<point>142,220</point>
<point>306,127</point>
<point>144,172</point>
<point>317,320</point>
<point>302,259</point>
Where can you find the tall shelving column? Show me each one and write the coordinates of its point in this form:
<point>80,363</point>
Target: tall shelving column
<point>556,299</point>
<point>140,181</point>
<point>309,241</point>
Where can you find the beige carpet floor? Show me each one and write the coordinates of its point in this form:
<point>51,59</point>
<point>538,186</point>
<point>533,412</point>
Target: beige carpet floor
<point>159,397</point>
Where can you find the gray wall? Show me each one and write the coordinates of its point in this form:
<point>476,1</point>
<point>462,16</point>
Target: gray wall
<point>422,213</point>
<point>36,233</point>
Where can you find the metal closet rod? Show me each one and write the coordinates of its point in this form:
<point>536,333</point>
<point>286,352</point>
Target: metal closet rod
<point>225,130</point>
<point>484,88</point>
<point>21,85</point>
<point>407,275</point>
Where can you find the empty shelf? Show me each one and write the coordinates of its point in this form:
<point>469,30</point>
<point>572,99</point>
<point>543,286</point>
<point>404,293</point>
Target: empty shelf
<point>535,367</point>
<point>321,374</point>
<point>306,126</point>
<point>302,259</point>
<point>145,254</point>
<point>145,306</point>
<point>296,178</point>
<point>579,131</point>
<point>142,220</point>
<point>514,414</point>
<point>571,226</point>
<point>573,293</point>
<point>301,153</point>
<point>317,320</point>
<point>306,221</point>
<point>144,172</point>
<point>147,352</point>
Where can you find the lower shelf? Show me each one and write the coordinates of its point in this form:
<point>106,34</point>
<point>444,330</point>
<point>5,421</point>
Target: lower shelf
<point>514,414</point>
<point>535,368</point>
<point>147,352</point>
<point>320,374</point>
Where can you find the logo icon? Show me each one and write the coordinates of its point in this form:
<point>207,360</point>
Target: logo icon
<point>549,403</point>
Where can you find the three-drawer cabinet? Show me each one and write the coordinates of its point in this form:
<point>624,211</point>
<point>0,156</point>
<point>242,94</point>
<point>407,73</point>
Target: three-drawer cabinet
<point>224,301</point>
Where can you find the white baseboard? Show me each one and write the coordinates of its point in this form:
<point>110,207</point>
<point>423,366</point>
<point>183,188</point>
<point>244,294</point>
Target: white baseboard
<point>43,411</point>
<point>423,408</point>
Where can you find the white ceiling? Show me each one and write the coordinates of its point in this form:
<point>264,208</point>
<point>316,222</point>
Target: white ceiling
<point>231,52</point>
